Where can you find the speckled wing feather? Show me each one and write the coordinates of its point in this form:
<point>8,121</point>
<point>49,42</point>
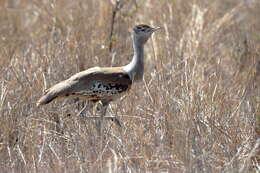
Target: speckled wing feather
<point>93,84</point>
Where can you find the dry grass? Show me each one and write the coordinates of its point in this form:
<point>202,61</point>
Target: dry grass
<point>196,111</point>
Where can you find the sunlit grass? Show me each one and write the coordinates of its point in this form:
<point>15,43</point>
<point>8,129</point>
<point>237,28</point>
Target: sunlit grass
<point>197,109</point>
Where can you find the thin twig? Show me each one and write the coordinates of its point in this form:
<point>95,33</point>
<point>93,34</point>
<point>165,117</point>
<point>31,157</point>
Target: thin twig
<point>116,9</point>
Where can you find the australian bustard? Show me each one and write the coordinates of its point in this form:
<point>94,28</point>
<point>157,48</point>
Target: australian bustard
<point>104,84</point>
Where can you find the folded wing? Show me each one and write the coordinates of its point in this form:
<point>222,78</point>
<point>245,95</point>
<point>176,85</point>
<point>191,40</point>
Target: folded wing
<point>92,84</point>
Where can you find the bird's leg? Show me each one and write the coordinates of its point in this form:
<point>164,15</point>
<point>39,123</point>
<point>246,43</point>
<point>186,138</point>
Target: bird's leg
<point>96,107</point>
<point>103,107</point>
<point>97,111</point>
<point>81,111</point>
<point>114,117</point>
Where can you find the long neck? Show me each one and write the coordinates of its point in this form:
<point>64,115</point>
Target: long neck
<point>136,67</point>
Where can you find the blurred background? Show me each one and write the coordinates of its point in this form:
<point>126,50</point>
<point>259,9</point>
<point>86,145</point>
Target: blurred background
<point>197,109</point>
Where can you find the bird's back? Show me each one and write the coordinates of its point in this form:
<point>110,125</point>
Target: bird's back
<point>93,84</point>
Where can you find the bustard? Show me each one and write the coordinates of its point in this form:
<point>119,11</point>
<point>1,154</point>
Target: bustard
<point>104,84</point>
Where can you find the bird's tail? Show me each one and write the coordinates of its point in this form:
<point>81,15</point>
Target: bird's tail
<point>46,98</point>
<point>52,93</point>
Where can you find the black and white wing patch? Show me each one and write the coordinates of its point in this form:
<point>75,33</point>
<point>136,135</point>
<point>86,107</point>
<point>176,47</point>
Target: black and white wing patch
<point>101,90</point>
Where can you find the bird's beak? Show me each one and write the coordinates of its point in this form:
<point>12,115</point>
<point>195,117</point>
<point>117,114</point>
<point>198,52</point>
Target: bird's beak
<point>156,28</point>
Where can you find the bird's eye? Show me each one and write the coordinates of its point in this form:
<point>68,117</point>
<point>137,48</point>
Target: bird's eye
<point>143,30</point>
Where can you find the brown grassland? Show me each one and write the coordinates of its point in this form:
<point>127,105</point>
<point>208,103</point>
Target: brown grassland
<point>197,109</point>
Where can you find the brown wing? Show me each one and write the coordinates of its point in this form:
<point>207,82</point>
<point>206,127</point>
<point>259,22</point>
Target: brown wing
<point>93,84</point>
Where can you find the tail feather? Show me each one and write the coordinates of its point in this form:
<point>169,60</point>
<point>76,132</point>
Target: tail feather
<point>47,98</point>
<point>52,93</point>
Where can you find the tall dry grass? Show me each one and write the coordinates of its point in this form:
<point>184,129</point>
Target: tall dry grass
<point>197,109</point>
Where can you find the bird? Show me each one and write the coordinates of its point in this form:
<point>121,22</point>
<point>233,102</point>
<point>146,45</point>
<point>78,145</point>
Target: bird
<point>104,84</point>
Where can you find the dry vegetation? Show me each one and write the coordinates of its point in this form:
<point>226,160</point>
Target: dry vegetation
<point>196,111</point>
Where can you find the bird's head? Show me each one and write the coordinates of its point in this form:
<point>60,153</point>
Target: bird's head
<point>141,33</point>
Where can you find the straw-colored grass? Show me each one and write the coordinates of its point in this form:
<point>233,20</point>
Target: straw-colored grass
<point>197,109</point>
